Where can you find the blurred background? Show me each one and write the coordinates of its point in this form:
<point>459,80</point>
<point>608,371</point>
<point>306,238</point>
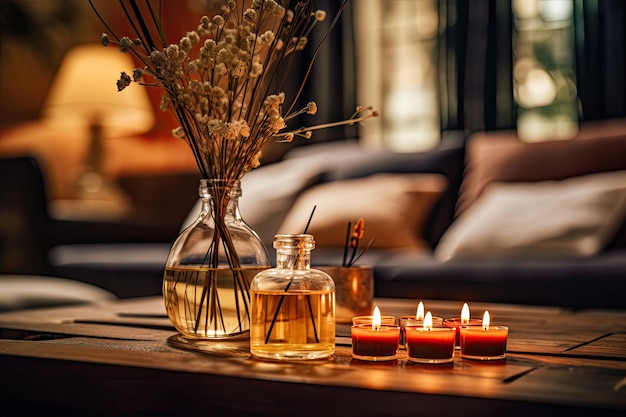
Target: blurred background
<point>540,67</point>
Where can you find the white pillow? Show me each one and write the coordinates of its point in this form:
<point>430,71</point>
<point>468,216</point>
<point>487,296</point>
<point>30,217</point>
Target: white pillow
<point>572,217</point>
<point>393,206</point>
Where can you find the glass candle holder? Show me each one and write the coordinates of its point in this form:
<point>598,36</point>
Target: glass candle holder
<point>457,323</point>
<point>484,344</point>
<point>412,321</point>
<point>435,345</point>
<point>406,321</point>
<point>375,344</point>
<point>385,320</point>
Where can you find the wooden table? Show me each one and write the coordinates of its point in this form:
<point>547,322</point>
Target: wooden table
<point>114,359</point>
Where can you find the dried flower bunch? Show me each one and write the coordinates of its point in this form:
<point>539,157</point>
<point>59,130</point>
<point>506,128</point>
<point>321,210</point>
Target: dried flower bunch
<point>224,80</point>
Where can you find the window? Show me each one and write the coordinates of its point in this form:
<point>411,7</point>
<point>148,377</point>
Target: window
<point>398,72</point>
<point>544,77</point>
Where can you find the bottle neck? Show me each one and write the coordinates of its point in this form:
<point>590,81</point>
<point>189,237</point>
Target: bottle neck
<point>220,196</point>
<point>293,251</point>
<point>293,260</point>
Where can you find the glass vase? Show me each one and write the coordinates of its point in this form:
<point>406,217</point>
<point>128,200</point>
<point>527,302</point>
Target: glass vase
<point>293,305</point>
<point>206,286</point>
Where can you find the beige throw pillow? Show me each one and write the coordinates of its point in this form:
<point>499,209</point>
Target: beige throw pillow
<point>573,217</point>
<point>394,207</point>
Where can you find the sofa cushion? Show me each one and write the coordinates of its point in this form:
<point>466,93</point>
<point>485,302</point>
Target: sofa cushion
<point>573,217</point>
<point>394,207</point>
<point>268,194</point>
<point>500,156</point>
<point>446,159</point>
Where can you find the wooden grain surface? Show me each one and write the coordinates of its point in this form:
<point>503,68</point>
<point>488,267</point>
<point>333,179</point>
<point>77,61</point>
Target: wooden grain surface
<point>557,361</point>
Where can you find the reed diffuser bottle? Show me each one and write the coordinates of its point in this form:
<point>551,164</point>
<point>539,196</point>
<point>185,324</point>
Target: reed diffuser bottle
<point>292,305</point>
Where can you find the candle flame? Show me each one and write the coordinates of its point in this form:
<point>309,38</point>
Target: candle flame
<point>428,321</point>
<point>465,314</point>
<point>486,321</point>
<point>419,314</point>
<point>376,319</point>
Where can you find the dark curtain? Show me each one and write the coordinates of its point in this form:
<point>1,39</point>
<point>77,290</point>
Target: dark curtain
<point>331,84</point>
<point>475,53</point>
<point>476,62</point>
<point>600,50</point>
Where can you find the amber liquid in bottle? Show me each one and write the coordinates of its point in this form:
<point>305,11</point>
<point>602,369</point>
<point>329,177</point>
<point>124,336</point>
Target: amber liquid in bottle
<point>293,324</point>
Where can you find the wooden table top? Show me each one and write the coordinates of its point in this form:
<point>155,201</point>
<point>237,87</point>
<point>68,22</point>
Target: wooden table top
<point>114,359</point>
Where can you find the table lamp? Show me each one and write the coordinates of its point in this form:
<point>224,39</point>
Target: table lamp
<point>84,96</point>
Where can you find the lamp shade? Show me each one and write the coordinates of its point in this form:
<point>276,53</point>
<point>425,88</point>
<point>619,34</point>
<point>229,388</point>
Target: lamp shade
<point>84,93</point>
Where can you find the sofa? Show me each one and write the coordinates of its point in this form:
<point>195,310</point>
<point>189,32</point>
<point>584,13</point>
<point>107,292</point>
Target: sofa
<point>444,223</point>
<point>513,222</point>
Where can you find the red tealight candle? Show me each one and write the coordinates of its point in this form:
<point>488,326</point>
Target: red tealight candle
<point>464,320</point>
<point>429,345</point>
<point>375,342</point>
<point>485,342</point>
<point>416,321</point>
